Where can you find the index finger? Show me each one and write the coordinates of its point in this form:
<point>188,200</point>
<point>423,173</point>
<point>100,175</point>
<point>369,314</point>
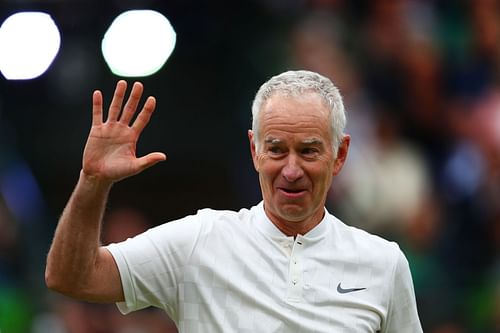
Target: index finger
<point>143,117</point>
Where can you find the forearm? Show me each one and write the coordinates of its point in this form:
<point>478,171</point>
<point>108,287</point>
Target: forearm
<point>73,256</point>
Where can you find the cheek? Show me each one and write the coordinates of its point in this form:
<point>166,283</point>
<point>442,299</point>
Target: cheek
<point>268,169</point>
<point>322,174</point>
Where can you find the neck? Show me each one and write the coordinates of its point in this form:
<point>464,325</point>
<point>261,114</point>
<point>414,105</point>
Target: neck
<point>294,228</point>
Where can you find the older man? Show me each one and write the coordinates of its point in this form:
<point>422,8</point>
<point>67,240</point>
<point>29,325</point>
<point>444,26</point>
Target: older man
<point>284,265</point>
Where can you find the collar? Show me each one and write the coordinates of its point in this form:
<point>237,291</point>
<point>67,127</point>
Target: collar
<point>267,227</point>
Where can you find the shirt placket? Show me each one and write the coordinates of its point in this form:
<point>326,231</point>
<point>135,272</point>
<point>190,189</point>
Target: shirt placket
<point>295,283</point>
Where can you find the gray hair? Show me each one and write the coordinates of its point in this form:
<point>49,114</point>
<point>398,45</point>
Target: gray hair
<point>295,83</point>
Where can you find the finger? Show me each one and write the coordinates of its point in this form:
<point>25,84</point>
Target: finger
<point>132,102</point>
<point>116,103</point>
<point>96,108</point>
<point>149,160</point>
<point>145,115</point>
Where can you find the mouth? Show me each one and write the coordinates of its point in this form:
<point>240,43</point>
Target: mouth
<point>291,193</point>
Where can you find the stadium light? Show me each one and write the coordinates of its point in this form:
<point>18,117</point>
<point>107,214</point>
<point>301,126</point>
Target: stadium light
<point>29,42</point>
<point>138,43</point>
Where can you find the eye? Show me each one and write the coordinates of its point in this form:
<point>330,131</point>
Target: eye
<point>309,151</point>
<point>275,150</point>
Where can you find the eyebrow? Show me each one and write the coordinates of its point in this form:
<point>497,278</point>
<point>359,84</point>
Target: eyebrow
<point>312,141</point>
<point>272,141</point>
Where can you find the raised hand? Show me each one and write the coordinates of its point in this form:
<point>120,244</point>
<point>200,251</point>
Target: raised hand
<point>110,152</point>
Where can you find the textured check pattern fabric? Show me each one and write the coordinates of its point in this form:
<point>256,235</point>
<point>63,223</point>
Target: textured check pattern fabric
<point>224,271</point>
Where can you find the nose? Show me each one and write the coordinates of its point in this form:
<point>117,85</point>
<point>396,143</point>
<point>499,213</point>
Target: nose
<point>292,171</point>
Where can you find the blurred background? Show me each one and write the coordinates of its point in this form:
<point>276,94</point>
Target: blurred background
<point>421,83</point>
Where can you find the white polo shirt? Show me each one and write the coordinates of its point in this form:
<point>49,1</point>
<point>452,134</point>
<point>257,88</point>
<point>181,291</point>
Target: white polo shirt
<point>225,271</point>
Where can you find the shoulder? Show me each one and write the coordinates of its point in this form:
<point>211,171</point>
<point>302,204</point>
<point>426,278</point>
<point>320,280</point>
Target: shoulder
<point>208,220</point>
<point>213,221</point>
<point>364,245</point>
<point>209,214</point>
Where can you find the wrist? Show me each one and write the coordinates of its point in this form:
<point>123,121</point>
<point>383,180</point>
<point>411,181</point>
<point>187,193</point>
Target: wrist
<point>95,182</point>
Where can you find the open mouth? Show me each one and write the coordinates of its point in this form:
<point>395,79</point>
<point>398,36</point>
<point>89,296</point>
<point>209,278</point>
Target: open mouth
<point>291,192</point>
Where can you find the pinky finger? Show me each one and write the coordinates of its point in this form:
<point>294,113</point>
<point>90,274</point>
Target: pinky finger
<point>145,115</point>
<point>97,108</point>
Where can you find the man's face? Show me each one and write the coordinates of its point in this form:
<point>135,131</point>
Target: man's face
<point>295,160</point>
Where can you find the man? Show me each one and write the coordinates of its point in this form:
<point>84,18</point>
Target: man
<point>285,265</point>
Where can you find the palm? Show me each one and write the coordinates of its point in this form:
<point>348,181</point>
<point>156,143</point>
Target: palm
<point>110,152</point>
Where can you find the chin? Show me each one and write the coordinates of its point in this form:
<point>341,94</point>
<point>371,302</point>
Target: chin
<point>293,215</point>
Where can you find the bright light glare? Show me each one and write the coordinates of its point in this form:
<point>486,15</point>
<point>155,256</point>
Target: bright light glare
<point>138,43</point>
<point>29,42</point>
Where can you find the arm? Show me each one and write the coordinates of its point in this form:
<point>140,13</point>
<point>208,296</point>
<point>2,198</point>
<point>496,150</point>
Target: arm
<point>402,315</point>
<point>76,265</point>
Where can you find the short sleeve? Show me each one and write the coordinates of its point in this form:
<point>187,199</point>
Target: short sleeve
<point>151,264</point>
<point>402,316</point>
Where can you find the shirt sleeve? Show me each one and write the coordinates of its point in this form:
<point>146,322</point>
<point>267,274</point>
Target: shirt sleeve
<point>151,264</point>
<point>402,315</point>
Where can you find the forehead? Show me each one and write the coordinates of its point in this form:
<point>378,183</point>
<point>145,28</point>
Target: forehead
<point>306,114</point>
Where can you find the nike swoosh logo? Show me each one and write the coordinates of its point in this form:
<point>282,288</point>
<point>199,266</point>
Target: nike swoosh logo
<point>347,290</point>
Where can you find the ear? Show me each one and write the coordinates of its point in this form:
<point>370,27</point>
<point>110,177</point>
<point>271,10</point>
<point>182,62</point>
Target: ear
<point>341,154</point>
<point>253,151</point>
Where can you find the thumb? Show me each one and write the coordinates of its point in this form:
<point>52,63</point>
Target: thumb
<point>150,159</point>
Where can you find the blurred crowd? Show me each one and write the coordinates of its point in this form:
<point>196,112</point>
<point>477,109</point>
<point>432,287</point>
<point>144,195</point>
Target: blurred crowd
<point>421,85</point>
